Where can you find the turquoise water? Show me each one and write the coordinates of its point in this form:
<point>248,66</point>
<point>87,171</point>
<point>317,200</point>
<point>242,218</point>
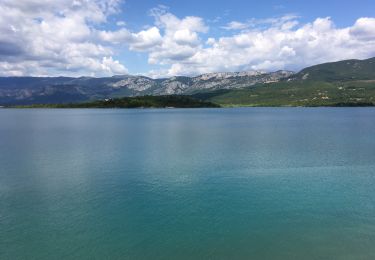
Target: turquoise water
<point>250,183</point>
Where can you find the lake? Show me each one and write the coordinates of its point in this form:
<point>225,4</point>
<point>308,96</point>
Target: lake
<point>241,183</point>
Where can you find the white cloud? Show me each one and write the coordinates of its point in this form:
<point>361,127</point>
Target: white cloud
<point>141,41</point>
<point>364,29</point>
<point>180,37</point>
<point>285,22</point>
<point>35,39</point>
<point>115,37</point>
<point>234,25</point>
<point>186,37</point>
<point>55,37</point>
<point>170,40</point>
<point>280,45</point>
<point>145,39</point>
<point>112,66</point>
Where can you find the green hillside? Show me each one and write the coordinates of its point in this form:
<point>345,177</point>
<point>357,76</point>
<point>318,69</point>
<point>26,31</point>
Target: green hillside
<point>344,83</point>
<point>347,70</point>
<point>298,93</point>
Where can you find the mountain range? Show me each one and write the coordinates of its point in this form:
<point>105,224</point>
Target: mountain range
<point>343,82</point>
<point>48,90</point>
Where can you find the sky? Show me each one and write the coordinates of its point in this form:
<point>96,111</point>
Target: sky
<point>171,38</point>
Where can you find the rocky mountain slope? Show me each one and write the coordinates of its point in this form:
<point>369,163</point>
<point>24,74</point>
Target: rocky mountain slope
<point>48,90</point>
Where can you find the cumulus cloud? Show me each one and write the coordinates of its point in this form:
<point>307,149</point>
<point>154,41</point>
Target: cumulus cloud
<point>112,66</point>
<point>140,41</point>
<point>364,29</point>
<point>55,37</point>
<point>64,37</point>
<point>271,44</point>
<point>170,40</point>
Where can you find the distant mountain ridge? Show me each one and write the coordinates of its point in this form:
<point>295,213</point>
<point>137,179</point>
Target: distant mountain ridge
<point>49,90</point>
<point>349,82</point>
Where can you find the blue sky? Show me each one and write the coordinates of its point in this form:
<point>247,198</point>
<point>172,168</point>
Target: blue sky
<point>343,12</point>
<point>218,13</point>
<point>167,38</point>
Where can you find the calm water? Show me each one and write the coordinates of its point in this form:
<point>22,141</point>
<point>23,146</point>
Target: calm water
<point>256,183</point>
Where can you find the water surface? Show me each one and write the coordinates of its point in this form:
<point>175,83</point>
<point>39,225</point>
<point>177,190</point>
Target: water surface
<point>250,183</point>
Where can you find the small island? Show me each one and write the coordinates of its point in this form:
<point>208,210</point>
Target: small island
<point>168,101</point>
